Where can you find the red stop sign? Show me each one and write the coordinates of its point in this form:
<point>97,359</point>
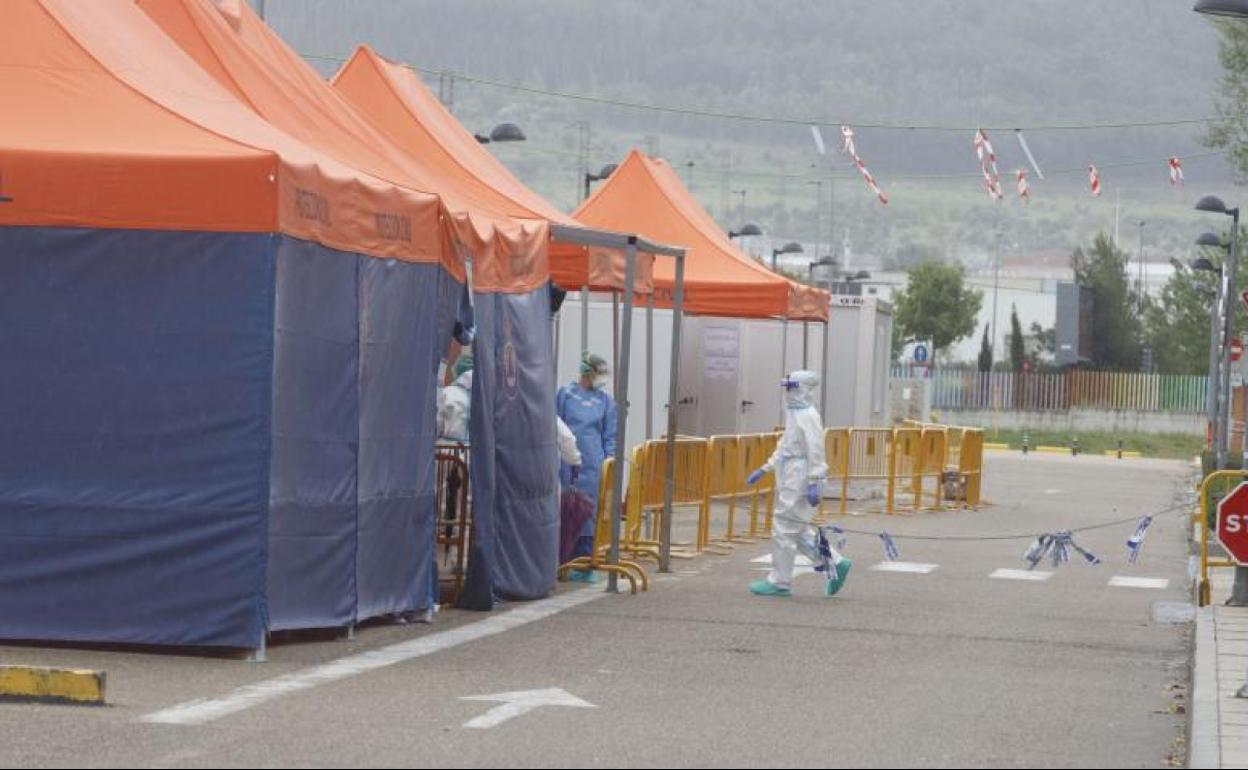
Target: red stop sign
<point>1232,528</point>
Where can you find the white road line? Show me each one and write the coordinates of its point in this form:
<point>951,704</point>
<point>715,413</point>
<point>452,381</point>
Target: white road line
<point>1119,581</point>
<point>1035,576</point>
<point>799,560</point>
<point>905,566</point>
<point>207,709</point>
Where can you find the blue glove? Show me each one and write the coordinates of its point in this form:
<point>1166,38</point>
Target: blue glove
<point>812,493</point>
<point>755,477</point>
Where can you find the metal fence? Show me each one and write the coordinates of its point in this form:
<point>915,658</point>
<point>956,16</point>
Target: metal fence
<point>1123,391</point>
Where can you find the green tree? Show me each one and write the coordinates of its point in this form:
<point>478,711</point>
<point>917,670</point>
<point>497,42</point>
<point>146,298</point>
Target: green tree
<point>936,306</point>
<point>1177,325</point>
<point>1017,350</point>
<point>1231,132</point>
<point>1046,338</point>
<point>1115,312</point>
<point>985,352</point>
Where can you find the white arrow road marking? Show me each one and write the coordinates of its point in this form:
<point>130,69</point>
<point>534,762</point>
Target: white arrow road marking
<point>905,566</point>
<point>516,704</point>
<point>206,710</point>
<point>1036,576</point>
<point>1119,581</point>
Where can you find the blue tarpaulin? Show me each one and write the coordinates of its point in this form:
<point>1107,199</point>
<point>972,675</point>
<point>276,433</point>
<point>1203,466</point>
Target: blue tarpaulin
<point>515,463</point>
<point>211,433</point>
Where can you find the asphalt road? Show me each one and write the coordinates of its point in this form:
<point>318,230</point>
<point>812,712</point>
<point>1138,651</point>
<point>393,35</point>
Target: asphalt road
<point>950,667</point>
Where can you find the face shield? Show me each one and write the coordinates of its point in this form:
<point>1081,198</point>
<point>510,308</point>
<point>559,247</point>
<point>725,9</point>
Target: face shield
<point>799,389</point>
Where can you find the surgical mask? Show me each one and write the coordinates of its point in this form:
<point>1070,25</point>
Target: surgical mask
<point>601,381</point>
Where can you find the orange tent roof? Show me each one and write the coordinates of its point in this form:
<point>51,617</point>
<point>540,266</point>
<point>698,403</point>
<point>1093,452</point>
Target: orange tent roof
<point>646,195</point>
<point>227,39</point>
<point>114,126</point>
<point>398,102</point>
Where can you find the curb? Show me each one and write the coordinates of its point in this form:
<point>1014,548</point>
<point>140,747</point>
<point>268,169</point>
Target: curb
<point>1203,719</point>
<point>51,685</point>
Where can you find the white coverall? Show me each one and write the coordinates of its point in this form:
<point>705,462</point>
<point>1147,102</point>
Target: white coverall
<point>454,403</point>
<point>798,461</point>
<point>568,452</point>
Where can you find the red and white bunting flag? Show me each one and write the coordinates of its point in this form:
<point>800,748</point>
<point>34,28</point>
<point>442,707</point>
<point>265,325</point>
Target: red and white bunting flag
<point>988,164</point>
<point>875,188</point>
<point>848,149</point>
<point>1094,179</point>
<point>1024,190</point>
<point>1176,171</point>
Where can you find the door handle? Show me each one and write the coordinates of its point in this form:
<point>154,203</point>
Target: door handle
<point>745,405</point>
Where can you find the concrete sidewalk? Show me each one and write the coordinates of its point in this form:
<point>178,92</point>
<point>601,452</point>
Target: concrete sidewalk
<point>1219,721</point>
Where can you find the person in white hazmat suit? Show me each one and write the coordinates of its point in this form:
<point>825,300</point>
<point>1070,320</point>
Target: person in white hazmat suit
<point>455,403</point>
<point>800,467</point>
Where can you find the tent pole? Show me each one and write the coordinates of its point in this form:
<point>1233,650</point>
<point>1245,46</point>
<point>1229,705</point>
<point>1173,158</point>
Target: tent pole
<point>823,378</point>
<point>584,325</point>
<point>621,430</point>
<point>615,338</point>
<point>805,345</point>
<point>558,319</point>
<point>784,358</point>
<point>650,365</point>
<point>673,378</point>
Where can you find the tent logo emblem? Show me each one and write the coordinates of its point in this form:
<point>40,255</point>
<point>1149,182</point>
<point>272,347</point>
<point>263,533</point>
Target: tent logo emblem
<point>510,363</point>
<point>394,227</point>
<point>312,205</point>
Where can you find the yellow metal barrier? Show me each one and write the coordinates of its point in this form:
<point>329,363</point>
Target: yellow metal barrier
<point>689,487</point>
<point>1218,483</point>
<point>598,558</point>
<point>870,458</point>
<point>934,453</point>
<point>836,448</point>
<point>726,472</point>
<point>754,450</point>
<point>971,466</point>
<point>907,467</point>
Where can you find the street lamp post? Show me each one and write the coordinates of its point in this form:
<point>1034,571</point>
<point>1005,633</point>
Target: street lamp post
<point>503,132</point>
<point>602,174</point>
<point>1213,204</point>
<point>792,247</point>
<point>1210,240</point>
<point>821,262</point>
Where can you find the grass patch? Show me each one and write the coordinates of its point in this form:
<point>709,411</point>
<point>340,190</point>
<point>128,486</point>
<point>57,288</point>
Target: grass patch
<point>1178,446</point>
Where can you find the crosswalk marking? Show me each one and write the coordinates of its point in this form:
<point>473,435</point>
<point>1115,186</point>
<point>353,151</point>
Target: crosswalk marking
<point>1121,581</point>
<point>905,566</point>
<point>1035,576</point>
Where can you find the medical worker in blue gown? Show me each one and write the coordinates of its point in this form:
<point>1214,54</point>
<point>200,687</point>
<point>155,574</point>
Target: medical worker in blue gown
<point>590,413</point>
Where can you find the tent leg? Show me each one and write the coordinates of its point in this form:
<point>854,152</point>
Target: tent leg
<point>261,653</point>
<point>784,359</point>
<point>650,366</point>
<point>558,319</point>
<point>584,322</point>
<point>823,377</point>
<point>669,473</point>
<point>621,431</point>
<point>615,338</point>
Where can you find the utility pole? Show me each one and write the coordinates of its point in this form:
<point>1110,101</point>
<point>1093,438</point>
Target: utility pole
<point>741,210</point>
<point>1141,287</point>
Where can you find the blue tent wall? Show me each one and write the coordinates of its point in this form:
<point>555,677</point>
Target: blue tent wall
<point>316,412</point>
<point>134,453</point>
<point>515,465</point>
<point>405,315</point>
